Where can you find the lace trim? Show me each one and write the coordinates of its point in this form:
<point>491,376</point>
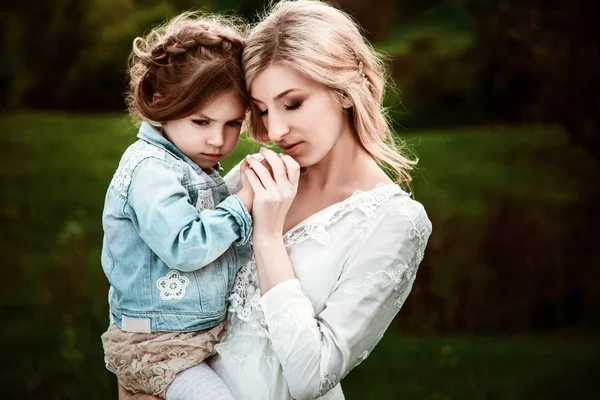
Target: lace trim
<point>314,231</point>
<point>149,362</point>
<point>244,296</point>
<point>250,352</point>
<point>205,200</point>
<point>327,383</point>
<point>133,156</point>
<point>377,186</point>
<point>287,325</point>
<point>367,205</point>
<point>399,273</point>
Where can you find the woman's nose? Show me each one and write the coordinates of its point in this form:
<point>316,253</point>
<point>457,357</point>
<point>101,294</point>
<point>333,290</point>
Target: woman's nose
<point>277,127</point>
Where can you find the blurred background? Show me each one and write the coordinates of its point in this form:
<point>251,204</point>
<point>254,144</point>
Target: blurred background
<point>498,98</point>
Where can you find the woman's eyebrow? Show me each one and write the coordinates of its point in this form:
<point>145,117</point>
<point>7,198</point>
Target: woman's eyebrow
<point>280,95</point>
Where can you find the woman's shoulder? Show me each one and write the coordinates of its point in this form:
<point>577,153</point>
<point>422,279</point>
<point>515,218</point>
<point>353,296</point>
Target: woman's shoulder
<point>383,198</point>
<point>406,203</point>
<point>385,205</point>
<point>391,205</point>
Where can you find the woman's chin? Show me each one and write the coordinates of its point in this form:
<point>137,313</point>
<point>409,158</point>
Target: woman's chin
<point>307,160</point>
<point>302,161</point>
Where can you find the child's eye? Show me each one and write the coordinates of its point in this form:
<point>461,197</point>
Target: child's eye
<point>294,106</point>
<point>200,122</point>
<point>235,123</point>
<point>263,113</point>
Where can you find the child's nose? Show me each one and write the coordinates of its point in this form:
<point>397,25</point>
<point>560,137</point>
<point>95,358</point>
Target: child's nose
<point>217,138</point>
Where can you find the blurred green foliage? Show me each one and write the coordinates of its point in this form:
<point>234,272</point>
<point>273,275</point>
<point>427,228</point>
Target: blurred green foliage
<point>456,62</point>
<point>515,208</point>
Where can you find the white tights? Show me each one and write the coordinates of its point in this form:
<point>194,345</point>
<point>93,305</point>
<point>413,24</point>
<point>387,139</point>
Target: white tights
<point>198,383</point>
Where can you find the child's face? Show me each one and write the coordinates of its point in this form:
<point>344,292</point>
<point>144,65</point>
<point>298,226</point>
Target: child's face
<point>211,133</point>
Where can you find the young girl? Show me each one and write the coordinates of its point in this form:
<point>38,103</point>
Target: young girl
<point>174,236</point>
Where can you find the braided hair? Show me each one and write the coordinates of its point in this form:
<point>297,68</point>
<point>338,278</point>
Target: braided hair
<point>181,66</point>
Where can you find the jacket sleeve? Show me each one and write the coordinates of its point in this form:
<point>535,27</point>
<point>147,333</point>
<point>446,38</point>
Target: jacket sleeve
<point>317,351</point>
<point>182,236</point>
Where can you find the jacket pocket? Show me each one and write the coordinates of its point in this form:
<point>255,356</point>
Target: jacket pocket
<point>212,283</point>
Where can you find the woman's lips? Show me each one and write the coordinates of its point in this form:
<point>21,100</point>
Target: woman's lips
<point>290,150</point>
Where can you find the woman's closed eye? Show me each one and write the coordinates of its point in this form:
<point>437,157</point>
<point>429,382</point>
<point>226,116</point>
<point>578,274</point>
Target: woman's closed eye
<point>294,106</point>
<point>290,107</point>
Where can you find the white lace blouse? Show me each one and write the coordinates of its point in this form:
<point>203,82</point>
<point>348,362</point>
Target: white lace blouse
<point>355,264</point>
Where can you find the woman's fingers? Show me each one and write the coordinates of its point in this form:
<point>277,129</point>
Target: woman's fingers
<point>262,173</point>
<point>292,167</point>
<point>266,164</point>
<point>277,166</point>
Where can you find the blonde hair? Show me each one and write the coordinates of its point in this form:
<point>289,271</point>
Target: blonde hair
<point>187,62</point>
<point>325,44</point>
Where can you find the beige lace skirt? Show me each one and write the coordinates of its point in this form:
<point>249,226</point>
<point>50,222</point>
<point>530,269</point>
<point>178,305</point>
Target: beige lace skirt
<point>148,362</point>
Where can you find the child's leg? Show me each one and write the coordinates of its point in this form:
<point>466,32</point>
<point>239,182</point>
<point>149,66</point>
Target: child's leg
<point>198,383</point>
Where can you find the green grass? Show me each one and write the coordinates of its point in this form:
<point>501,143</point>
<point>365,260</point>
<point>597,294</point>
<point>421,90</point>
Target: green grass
<point>460,168</point>
<point>456,368</point>
<point>54,174</point>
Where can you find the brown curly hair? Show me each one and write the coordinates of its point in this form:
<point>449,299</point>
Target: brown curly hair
<point>187,62</point>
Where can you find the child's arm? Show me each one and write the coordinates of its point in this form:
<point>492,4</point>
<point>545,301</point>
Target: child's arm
<point>182,237</point>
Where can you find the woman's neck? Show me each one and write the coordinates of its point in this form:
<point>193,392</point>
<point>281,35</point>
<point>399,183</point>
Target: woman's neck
<point>347,167</point>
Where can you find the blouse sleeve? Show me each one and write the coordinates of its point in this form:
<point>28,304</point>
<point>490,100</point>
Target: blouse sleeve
<point>317,351</point>
<point>232,179</point>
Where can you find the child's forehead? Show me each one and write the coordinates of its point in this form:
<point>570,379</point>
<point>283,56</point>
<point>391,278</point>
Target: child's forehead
<point>225,106</point>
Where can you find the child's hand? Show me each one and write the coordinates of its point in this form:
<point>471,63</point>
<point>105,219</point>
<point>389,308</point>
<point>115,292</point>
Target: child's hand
<point>246,194</point>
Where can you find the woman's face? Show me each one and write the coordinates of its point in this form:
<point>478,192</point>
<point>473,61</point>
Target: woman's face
<point>302,117</point>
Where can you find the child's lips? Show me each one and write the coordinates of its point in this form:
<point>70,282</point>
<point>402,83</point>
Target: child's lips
<point>213,156</point>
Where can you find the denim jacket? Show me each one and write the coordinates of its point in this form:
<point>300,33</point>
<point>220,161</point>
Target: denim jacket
<point>169,235</point>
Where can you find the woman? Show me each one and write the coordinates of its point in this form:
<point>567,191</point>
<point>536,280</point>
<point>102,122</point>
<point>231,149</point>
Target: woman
<point>336,248</point>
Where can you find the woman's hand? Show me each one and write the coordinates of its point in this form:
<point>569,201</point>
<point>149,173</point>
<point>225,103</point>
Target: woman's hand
<point>273,194</point>
<point>125,394</point>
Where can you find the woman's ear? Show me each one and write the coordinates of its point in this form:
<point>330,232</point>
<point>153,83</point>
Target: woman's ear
<point>344,100</point>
